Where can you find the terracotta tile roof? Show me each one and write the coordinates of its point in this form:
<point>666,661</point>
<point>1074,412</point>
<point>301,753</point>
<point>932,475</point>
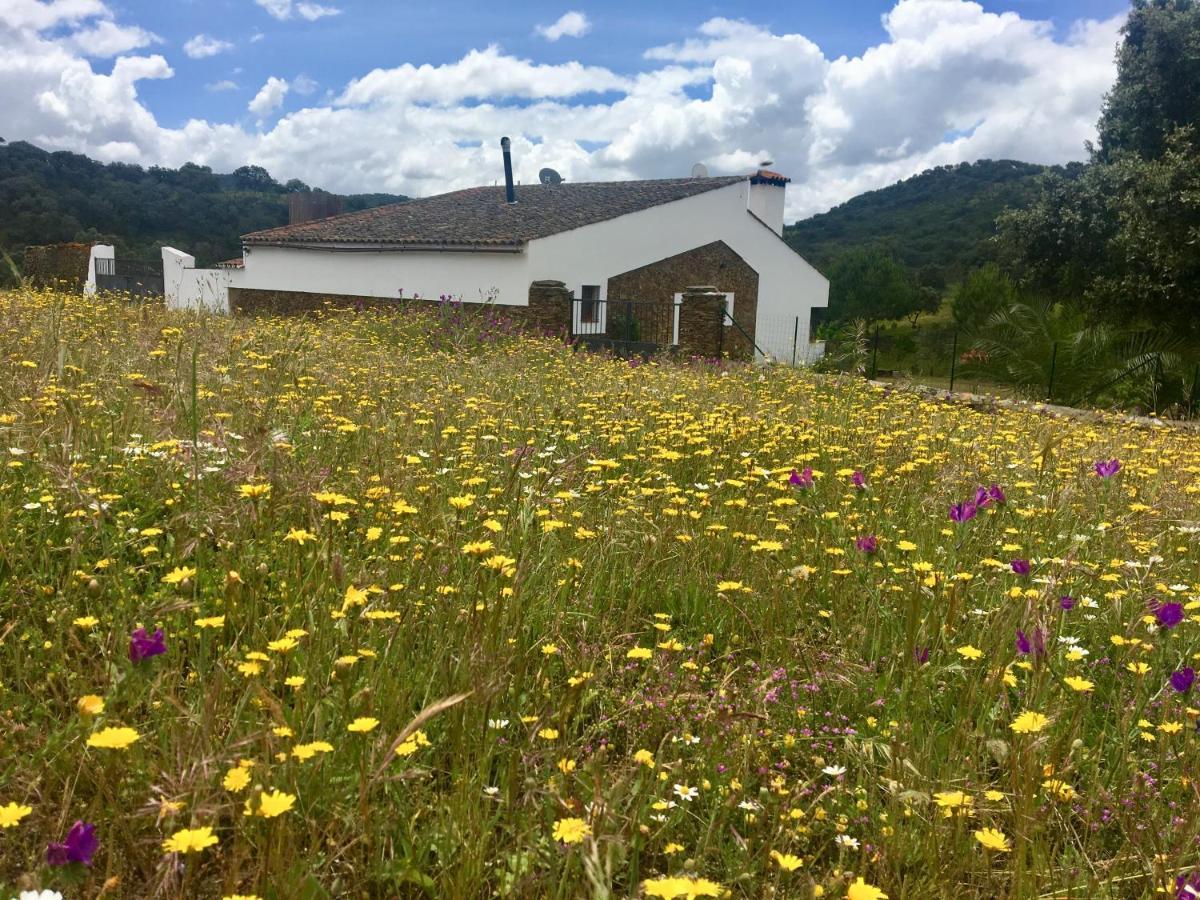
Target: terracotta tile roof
<point>479,217</point>
<point>237,263</point>
<point>766,176</point>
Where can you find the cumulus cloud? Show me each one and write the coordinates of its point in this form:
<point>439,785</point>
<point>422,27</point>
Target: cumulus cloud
<point>223,85</point>
<point>202,46</point>
<point>287,9</point>
<point>569,24</point>
<point>269,97</point>
<point>949,82</point>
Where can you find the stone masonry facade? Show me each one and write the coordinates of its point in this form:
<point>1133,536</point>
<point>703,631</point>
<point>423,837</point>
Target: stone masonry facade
<point>714,265</point>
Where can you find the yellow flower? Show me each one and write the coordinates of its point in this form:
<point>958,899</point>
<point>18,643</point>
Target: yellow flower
<point>860,890</point>
<point>178,575</point>
<point>211,622</point>
<point>548,734</point>
<point>952,801</point>
<point>271,805</point>
<point>639,653</point>
<point>549,649</point>
<point>362,724</point>
<point>644,758</point>
<point>11,814</point>
<point>1138,668</point>
<point>1029,723</point>
<point>90,704</point>
<point>993,839</point>
<point>299,536</point>
<point>1076,683</point>
<point>113,738</point>
<point>571,831</point>
<point>236,780</point>
<point>787,861</point>
<point>463,501</point>
<point>969,652</point>
<point>87,622</point>
<point>689,888</point>
<point>254,490</point>
<point>190,840</point>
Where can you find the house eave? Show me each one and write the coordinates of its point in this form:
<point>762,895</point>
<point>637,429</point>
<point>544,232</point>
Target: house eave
<point>386,247</point>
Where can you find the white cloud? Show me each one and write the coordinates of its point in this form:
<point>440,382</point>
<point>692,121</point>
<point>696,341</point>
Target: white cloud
<point>303,85</point>
<point>224,85</point>
<point>202,46</point>
<point>286,9</point>
<point>950,82</point>
<point>269,97</point>
<point>569,24</point>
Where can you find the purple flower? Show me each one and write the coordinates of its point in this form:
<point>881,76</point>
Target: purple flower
<point>921,655</point>
<point>859,480</point>
<point>1066,601</point>
<point>962,512</point>
<point>1020,566</point>
<point>1187,887</point>
<point>1107,468</point>
<point>143,645</point>
<point>868,543</point>
<point>995,494</point>
<point>1034,643</point>
<point>79,847</point>
<point>1182,680</point>
<point>801,479</point>
<point>1169,614</point>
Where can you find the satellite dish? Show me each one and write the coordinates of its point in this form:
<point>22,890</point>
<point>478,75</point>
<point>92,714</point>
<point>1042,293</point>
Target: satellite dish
<point>549,176</point>
<point>699,170</point>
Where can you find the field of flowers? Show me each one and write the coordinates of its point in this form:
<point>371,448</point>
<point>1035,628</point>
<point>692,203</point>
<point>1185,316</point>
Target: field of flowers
<point>410,606</point>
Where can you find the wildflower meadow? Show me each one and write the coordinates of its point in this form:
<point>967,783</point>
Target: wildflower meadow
<point>414,605</point>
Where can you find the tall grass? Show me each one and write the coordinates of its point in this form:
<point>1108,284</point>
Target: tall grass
<point>489,617</point>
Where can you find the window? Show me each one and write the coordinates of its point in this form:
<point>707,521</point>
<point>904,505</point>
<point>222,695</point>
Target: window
<point>589,305</point>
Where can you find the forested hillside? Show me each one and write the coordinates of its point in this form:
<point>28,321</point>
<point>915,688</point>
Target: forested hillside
<point>939,223</point>
<point>50,197</point>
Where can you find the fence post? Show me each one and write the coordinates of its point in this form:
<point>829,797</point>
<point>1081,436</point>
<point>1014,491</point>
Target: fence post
<point>628,327</point>
<point>721,331</point>
<point>1192,397</point>
<point>875,355</point>
<point>1053,363</point>
<point>1154,386</point>
<point>796,339</point>
<point>953,360</point>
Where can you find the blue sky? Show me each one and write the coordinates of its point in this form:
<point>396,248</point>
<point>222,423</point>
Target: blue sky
<point>411,97</point>
<point>370,33</point>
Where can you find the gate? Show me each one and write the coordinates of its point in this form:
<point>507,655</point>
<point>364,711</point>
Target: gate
<point>128,278</point>
<point>625,327</point>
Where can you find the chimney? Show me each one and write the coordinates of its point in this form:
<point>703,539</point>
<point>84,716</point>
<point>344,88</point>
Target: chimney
<point>509,193</point>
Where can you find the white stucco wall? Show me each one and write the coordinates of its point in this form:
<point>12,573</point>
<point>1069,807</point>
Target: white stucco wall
<point>766,202</point>
<point>188,288</point>
<point>787,285</point>
<point>99,251</point>
<point>470,276</point>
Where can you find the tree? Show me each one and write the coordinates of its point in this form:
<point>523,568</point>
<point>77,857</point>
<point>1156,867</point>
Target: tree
<point>1120,236</point>
<point>296,186</point>
<point>869,284</point>
<point>981,294</point>
<point>1158,80</point>
<point>254,178</point>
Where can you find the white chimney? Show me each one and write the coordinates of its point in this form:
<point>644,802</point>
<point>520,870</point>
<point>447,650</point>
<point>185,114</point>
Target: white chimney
<point>767,190</point>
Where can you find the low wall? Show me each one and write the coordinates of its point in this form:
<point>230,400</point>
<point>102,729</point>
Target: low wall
<point>58,265</point>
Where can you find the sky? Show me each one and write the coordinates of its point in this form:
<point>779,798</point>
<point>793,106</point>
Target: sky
<point>843,96</point>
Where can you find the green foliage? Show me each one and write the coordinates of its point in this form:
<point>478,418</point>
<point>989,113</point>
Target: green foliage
<point>870,284</point>
<point>940,222</point>
<point>53,197</point>
<point>1120,238</point>
<point>981,294</point>
<point>1158,82</point>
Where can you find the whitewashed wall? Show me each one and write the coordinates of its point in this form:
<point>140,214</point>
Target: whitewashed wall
<point>471,276</point>
<point>766,202</point>
<point>99,251</point>
<point>787,285</point>
<point>189,288</point>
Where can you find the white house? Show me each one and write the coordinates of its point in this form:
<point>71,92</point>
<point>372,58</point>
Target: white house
<point>611,244</point>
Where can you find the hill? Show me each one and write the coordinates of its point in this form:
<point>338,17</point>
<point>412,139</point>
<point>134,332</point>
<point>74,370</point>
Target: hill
<point>49,197</point>
<point>940,222</point>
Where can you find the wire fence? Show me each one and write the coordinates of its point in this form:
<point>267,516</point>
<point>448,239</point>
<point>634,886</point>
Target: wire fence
<point>1155,382</point>
<point>786,339</point>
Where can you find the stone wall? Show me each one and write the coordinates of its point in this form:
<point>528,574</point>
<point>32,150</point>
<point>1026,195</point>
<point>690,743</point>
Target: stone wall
<point>57,265</point>
<point>713,264</point>
<point>702,328</point>
<point>549,308</point>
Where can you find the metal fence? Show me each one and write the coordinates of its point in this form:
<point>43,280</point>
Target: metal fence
<point>786,339</point>
<point>625,327</point>
<point>128,278</point>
